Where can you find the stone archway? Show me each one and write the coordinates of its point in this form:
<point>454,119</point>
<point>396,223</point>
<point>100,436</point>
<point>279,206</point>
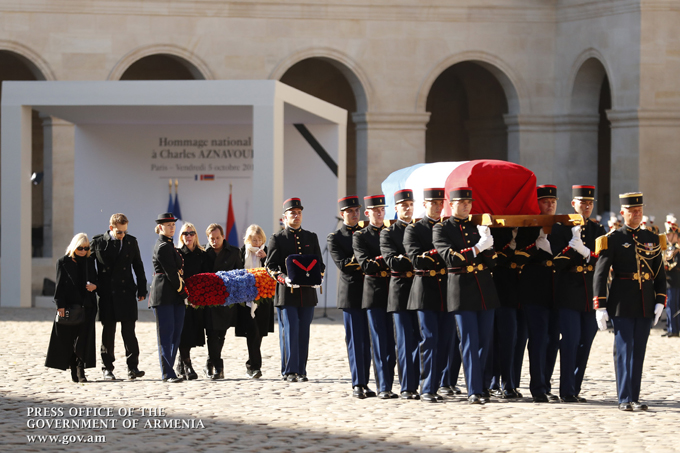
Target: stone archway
<point>161,67</point>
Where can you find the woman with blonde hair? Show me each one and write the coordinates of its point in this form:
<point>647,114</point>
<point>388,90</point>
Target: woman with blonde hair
<point>192,332</point>
<point>73,346</point>
<point>256,321</point>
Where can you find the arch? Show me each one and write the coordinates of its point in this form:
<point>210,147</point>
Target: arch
<point>513,86</point>
<point>352,71</point>
<point>584,70</point>
<point>36,63</point>
<point>198,68</point>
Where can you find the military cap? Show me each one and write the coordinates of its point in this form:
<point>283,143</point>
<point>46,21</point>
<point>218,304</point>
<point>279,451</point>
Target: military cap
<point>292,203</point>
<point>546,191</point>
<point>166,217</point>
<point>403,195</point>
<point>631,199</point>
<point>375,201</point>
<point>349,202</point>
<point>583,192</point>
<point>461,193</point>
<point>434,194</point>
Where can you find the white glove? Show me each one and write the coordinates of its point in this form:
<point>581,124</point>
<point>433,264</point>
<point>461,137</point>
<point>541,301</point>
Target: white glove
<point>486,240</point>
<point>542,242</point>
<point>576,231</point>
<point>513,243</point>
<point>658,309</point>
<point>601,316</point>
<point>289,284</point>
<point>577,244</point>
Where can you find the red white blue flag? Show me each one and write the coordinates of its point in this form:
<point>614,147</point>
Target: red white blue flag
<point>232,235</point>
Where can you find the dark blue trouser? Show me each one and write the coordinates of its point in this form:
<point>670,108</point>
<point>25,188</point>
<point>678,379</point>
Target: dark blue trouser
<point>475,329</point>
<point>630,344</point>
<point>501,367</point>
<point>578,329</point>
<point>453,361</point>
<point>294,338</point>
<point>169,322</point>
<point>672,308</point>
<point>408,337</point>
<point>382,342</point>
<point>358,344</point>
<point>520,346</point>
<point>543,330</point>
<point>436,332</point>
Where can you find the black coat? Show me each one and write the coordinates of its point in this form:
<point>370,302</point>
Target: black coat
<point>366,245</point>
<point>673,270</point>
<point>351,284</point>
<point>506,272</point>
<point>65,341</point>
<point>292,242</point>
<point>117,288</point>
<point>167,287</point>
<point>472,291</point>
<point>628,297</point>
<point>537,270</point>
<point>428,291</point>
<point>195,262</point>
<point>229,258</point>
<point>391,247</point>
<point>264,315</point>
<point>574,274</point>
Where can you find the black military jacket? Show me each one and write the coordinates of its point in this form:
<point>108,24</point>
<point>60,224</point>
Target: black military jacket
<point>469,286</point>
<point>537,270</point>
<point>391,246</point>
<point>574,274</point>
<point>351,284</point>
<point>366,245</point>
<point>292,242</point>
<point>229,258</point>
<point>117,289</point>
<point>429,283</point>
<point>631,254</point>
<point>167,287</point>
<point>672,268</point>
<point>506,272</point>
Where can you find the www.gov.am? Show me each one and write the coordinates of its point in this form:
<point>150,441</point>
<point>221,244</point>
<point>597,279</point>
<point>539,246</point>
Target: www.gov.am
<point>65,439</point>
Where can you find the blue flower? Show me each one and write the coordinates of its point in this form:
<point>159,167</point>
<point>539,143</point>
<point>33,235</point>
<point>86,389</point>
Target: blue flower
<point>240,285</point>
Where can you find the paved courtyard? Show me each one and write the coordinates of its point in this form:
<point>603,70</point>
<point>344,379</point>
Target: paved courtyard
<point>238,414</point>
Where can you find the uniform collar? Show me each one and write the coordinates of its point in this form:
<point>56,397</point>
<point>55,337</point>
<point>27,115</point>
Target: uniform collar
<point>164,238</point>
<point>402,222</point>
<point>351,228</point>
<point>633,230</point>
<point>430,220</point>
<point>375,228</point>
<point>294,231</point>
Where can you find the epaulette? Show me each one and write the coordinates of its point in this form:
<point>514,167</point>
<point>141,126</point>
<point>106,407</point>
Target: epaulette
<point>601,243</point>
<point>663,243</point>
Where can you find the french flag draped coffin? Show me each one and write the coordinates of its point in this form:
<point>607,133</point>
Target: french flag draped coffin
<point>230,288</point>
<point>304,270</point>
<point>498,187</point>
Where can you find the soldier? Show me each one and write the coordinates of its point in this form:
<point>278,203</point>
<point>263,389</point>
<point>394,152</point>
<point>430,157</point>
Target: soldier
<point>350,290</point>
<point>575,259</point>
<point>468,253</point>
<point>405,321</point>
<point>672,277</point>
<point>428,297</point>
<point>636,297</point>
<point>117,254</point>
<point>295,305</point>
<point>536,290</point>
<point>366,245</point>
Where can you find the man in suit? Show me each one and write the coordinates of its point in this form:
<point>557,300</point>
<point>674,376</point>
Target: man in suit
<point>220,256</point>
<point>366,245</point>
<point>405,321</point>
<point>350,289</point>
<point>575,258</point>
<point>636,297</point>
<point>295,304</point>
<point>117,255</point>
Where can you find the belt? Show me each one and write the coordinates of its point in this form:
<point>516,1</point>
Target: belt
<point>408,274</point>
<point>159,273</point>
<point>581,269</point>
<point>646,276</point>
<point>467,269</point>
<point>381,274</point>
<point>430,273</point>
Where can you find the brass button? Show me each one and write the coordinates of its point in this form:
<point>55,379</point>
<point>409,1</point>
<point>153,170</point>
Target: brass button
<point>409,274</point>
<point>548,263</point>
<point>480,267</point>
<point>383,273</point>
<point>579,269</point>
<point>513,265</point>
<point>470,268</point>
<point>442,271</point>
<point>433,273</point>
<point>590,267</point>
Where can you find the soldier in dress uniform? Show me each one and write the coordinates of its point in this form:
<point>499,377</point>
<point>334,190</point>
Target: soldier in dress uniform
<point>468,253</point>
<point>350,290</point>
<point>575,260</point>
<point>295,305</point>
<point>636,297</point>
<point>428,297</point>
<point>405,321</point>
<point>536,292</point>
<point>672,255</point>
<point>366,245</point>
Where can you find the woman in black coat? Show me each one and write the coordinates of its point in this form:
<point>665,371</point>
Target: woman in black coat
<point>192,333</point>
<point>74,346</point>
<point>167,295</point>
<point>257,321</point>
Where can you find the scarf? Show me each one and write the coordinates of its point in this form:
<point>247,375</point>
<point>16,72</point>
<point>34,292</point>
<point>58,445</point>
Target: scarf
<point>251,260</point>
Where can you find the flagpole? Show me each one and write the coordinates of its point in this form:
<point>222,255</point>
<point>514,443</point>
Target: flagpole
<point>170,186</point>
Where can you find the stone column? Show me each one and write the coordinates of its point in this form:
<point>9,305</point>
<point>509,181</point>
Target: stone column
<point>47,185</point>
<point>387,141</point>
<point>531,143</point>
<point>60,141</point>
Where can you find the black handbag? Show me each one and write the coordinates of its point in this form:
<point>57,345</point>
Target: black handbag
<point>73,316</point>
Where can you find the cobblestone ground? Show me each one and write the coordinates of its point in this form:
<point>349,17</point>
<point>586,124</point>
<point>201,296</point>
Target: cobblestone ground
<point>239,414</point>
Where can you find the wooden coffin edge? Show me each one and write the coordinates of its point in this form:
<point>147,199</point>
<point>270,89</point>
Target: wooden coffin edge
<point>512,221</point>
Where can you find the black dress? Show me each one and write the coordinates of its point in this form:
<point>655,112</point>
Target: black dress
<point>264,315</point>
<point>192,333</point>
<point>70,342</point>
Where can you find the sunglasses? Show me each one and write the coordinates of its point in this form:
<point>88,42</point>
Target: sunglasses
<point>80,249</point>
<point>189,233</point>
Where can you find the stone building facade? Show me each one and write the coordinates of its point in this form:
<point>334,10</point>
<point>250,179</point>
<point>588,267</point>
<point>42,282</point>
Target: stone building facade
<point>578,91</point>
